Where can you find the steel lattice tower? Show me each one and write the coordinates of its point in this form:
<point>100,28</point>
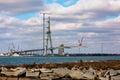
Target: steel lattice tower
<point>48,39</point>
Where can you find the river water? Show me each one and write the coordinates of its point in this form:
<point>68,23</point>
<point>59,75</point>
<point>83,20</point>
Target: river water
<point>9,60</point>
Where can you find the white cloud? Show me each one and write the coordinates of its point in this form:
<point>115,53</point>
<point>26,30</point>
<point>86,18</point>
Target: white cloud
<point>109,23</point>
<point>66,26</point>
<point>6,35</point>
<point>14,7</point>
<point>34,21</point>
<point>10,1</point>
<point>90,9</point>
<point>55,8</point>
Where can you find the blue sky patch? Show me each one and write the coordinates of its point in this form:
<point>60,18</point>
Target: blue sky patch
<point>26,16</point>
<point>65,3</point>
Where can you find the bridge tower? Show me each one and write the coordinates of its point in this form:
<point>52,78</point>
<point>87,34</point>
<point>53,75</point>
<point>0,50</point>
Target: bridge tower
<point>48,39</point>
<point>43,31</point>
<point>61,50</point>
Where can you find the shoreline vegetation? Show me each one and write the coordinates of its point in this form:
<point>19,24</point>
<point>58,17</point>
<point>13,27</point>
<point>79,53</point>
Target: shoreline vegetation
<point>95,65</point>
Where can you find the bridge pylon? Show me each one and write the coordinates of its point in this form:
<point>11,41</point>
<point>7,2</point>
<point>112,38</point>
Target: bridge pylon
<point>48,39</point>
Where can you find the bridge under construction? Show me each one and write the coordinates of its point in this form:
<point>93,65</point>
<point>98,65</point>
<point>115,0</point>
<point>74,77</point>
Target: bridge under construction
<point>47,43</point>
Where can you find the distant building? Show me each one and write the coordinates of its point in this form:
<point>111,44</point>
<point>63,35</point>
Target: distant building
<point>15,54</point>
<point>1,54</point>
<point>61,50</point>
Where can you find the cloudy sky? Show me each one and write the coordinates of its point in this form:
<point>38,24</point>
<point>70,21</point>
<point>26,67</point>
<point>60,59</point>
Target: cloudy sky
<point>98,21</point>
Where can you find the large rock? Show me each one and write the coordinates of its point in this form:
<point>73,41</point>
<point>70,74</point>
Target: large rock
<point>14,72</point>
<point>45,70</point>
<point>49,76</point>
<point>90,74</point>
<point>76,74</point>
<point>118,71</point>
<point>115,77</point>
<point>61,71</point>
<point>111,73</point>
<point>32,74</point>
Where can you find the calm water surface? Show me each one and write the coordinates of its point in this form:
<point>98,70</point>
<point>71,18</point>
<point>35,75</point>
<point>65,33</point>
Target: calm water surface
<point>31,60</point>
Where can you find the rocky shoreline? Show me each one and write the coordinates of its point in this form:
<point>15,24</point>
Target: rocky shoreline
<point>91,70</point>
